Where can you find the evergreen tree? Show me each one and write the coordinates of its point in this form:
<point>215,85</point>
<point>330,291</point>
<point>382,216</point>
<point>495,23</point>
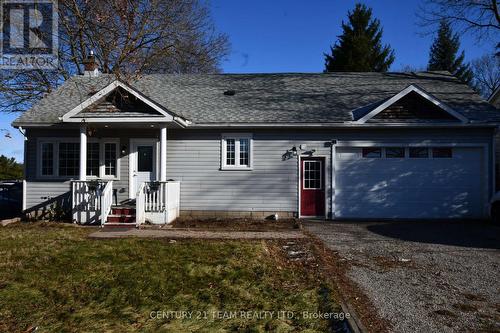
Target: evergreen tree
<point>443,55</point>
<point>359,48</point>
<point>10,169</point>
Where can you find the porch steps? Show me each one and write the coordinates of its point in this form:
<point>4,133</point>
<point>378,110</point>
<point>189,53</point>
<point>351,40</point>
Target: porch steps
<point>121,216</point>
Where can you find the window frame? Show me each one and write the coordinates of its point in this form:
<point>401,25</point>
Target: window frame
<point>394,157</point>
<point>236,137</point>
<point>427,148</point>
<point>321,180</point>
<point>76,160</point>
<point>381,155</point>
<point>102,166</point>
<point>55,157</point>
<point>441,157</point>
<point>40,158</point>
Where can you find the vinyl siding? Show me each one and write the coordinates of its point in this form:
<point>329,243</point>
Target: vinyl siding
<point>194,158</point>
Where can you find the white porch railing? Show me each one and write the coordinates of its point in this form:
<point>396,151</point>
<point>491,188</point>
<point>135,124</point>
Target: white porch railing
<point>140,200</point>
<point>91,201</point>
<point>158,201</point>
<point>106,201</point>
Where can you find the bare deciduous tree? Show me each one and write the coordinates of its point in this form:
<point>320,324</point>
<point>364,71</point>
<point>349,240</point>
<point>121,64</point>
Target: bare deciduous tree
<point>480,17</point>
<point>128,37</point>
<point>486,71</point>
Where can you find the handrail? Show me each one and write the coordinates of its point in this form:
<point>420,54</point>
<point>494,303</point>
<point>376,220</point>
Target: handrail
<point>106,201</point>
<point>140,205</point>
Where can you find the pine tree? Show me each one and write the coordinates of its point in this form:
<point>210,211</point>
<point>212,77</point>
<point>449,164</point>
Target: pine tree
<point>359,48</point>
<point>443,54</point>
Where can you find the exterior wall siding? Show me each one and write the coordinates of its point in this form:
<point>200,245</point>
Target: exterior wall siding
<point>194,158</point>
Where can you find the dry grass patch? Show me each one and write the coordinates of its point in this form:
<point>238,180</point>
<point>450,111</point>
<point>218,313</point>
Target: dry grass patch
<point>55,277</point>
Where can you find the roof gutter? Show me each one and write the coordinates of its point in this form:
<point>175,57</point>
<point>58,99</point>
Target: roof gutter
<point>182,122</point>
<point>339,125</point>
<point>186,123</point>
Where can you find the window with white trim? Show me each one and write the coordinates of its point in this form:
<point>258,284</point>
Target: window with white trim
<point>236,152</point>
<point>60,158</point>
<point>69,159</point>
<point>93,159</point>
<point>110,154</point>
<point>47,158</point>
<point>312,175</point>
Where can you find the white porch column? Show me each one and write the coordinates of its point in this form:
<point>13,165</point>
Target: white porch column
<point>83,152</point>
<point>163,153</point>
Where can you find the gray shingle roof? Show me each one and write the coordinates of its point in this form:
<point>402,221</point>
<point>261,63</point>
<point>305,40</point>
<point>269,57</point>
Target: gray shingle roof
<point>268,98</point>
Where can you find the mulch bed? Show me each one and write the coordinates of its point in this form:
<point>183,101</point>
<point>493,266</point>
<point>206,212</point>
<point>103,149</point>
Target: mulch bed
<point>237,224</point>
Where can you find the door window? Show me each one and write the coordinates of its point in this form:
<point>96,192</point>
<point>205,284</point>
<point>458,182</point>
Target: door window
<point>145,158</point>
<point>312,175</point>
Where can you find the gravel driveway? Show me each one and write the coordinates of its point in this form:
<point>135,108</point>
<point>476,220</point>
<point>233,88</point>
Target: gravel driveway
<point>423,276</point>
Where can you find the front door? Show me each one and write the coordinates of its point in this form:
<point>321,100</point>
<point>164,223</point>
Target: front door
<point>143,164</point>
<point>312,188</point>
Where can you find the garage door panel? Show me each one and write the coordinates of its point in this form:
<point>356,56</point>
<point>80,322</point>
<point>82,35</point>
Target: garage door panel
<point>409,187</point>
<point>406,210</point>
<point>386,165</point>
<point>442,178</point>
<point>422,196</point>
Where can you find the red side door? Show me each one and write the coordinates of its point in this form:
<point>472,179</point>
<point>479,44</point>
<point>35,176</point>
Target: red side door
<point>312,186</point>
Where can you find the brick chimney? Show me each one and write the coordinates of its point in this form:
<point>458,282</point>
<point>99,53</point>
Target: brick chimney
<point>91,68</point>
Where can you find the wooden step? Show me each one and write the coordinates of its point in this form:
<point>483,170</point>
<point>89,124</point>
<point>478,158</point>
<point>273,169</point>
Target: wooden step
<point>119,225</point>
<point>122,211</point>
<point>113,218</point>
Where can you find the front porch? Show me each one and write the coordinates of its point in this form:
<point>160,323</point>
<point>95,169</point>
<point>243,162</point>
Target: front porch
<point>122,129</point>
<point>150,199</point>
<point>95,202</point>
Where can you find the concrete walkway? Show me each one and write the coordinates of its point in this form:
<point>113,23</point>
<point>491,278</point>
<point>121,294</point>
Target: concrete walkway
<point>196,234</point>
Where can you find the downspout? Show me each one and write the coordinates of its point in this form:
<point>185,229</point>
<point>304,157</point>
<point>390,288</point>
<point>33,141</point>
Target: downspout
<point>23,132</point>
<point>332,177</point>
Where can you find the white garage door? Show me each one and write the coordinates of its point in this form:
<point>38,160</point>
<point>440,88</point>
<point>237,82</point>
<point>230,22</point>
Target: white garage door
<point>425,183</point>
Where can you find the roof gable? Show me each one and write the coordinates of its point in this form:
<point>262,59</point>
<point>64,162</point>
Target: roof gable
<point>410,104</point>
<point>118,102</point>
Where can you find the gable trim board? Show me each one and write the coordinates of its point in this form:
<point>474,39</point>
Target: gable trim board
<point>403,93</point>
<point>72,115</point>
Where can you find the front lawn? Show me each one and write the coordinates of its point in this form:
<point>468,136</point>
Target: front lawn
<point>54,277</point>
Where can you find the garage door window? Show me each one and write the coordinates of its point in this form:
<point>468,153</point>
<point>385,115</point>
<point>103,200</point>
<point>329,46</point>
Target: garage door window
<point>372,152</point>
<point>442,152</point>
<point>419,152</point>
<point>394,152</point>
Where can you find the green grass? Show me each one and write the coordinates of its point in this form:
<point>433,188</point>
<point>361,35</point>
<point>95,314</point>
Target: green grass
<point>54,277</point>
